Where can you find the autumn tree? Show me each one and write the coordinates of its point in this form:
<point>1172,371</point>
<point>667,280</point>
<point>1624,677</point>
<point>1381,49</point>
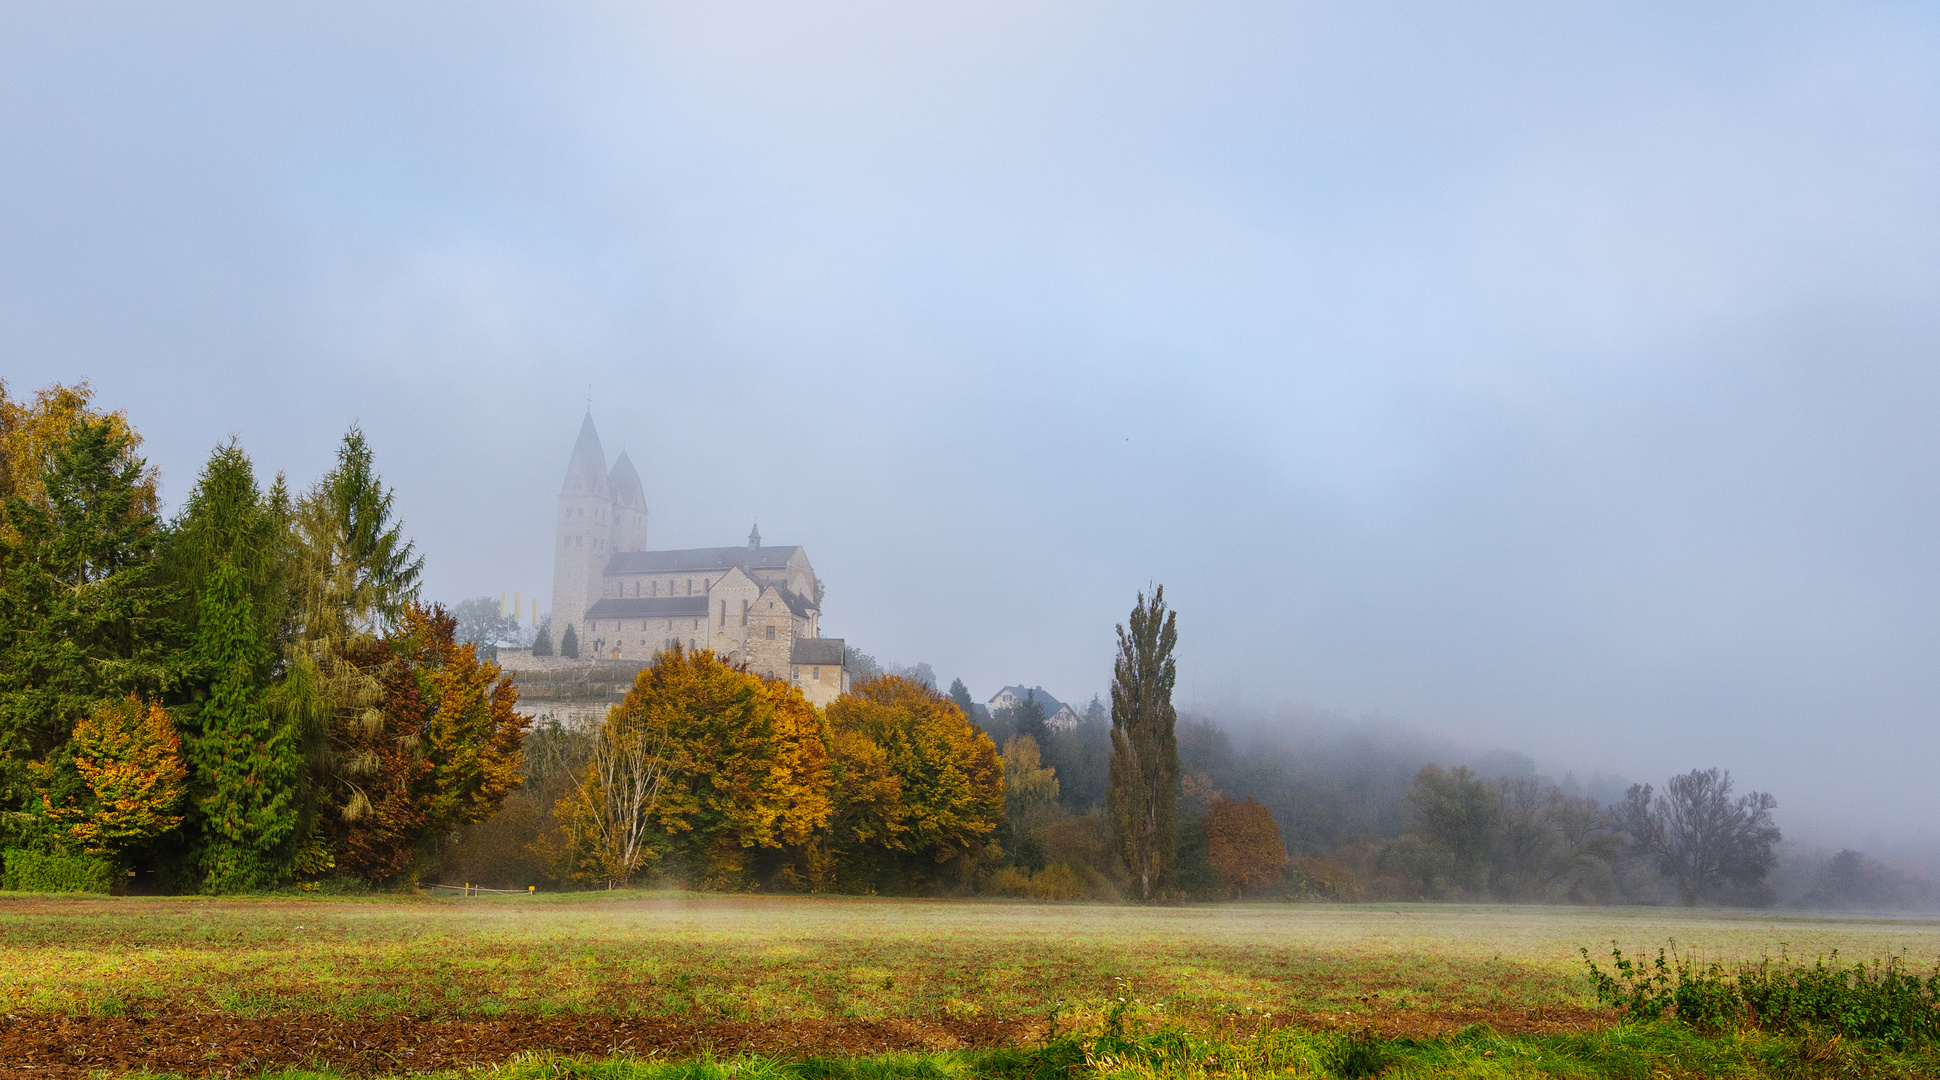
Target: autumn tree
<point>443,748</point>
<point>1030,789</point>
<point>607,818</point>
<point>30,432</point>
<point>746,768</point>
<point>129,760</point>
<point>1243,844</point>
<point>352,577</point>
<point>81,607</point>
<point>1145,753</point>
<point>918,787</point>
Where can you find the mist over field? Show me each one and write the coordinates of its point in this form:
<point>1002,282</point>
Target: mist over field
<point>1553,381</point>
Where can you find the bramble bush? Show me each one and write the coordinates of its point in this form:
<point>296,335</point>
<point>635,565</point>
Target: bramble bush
<point>1881,1000</point>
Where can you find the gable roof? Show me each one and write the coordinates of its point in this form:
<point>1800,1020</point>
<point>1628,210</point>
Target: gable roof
<point>1050,704</point>
<point>649,607</point>
<point>714,558</point>
<point>797,603</point>
<point>817,650</point>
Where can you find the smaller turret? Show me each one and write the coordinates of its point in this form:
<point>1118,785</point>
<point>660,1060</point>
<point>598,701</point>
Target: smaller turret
<point>754,538</point>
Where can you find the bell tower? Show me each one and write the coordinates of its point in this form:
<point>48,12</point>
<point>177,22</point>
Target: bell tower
<point>583,533</point>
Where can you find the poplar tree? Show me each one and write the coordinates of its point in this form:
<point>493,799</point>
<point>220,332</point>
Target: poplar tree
<point>1144,787</point>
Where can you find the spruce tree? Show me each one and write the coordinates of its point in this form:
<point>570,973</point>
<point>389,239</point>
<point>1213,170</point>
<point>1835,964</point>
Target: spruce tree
<point>1144,789</point>
<point>542,643</point>
<point>569,644</point>
<point>247,762</point>
<point>81,609</point>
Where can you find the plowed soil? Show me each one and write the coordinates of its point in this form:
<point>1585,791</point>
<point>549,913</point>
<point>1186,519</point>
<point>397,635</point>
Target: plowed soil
<point>209,1044</point>
<point>216,1045</point>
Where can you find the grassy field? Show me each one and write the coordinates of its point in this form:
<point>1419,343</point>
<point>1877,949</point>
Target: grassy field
<point>974,972</point>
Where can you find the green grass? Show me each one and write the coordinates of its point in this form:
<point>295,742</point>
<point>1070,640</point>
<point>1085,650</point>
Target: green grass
<point>802,958</point>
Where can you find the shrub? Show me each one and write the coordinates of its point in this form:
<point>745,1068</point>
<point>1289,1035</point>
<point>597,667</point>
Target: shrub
<point>34,871</point>
<point>1055,882</point>
<point>1878,1001</point>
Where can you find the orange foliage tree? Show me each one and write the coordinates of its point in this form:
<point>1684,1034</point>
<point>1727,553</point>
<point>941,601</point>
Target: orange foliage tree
<point>130,759</point>
<point>1244,844</point>
<point>918,786</point>
<point>442,750</point>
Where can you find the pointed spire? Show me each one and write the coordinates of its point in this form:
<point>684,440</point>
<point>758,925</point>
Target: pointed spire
<point>754,537</point>
<point>586,472</point>
<point>624,481</point>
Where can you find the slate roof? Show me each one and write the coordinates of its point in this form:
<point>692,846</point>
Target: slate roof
<point>817,650</point>
<point>797,603</point>
<point>588,464</point>
<point>1051,705</point>
<point>715,558</point>
<point>625,483</point>
<point>649,607</point>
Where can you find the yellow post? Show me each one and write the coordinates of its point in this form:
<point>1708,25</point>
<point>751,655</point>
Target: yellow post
<point>516,604</point>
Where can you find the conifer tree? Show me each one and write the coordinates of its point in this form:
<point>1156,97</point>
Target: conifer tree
<point>569,644</point>
<point>1144,791</point>
<point>80,606</point>
<point>542,641</point>
<point>247,761</point>
<point>353,577</point>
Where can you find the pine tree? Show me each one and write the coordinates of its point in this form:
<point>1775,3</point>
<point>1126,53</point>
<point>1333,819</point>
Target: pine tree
<point>1144,790</point>
<point>569,644</point>
<point>80,606</point>
<point>247,763</point>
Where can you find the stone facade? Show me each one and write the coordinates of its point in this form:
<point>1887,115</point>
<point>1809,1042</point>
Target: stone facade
<point>757,604</point>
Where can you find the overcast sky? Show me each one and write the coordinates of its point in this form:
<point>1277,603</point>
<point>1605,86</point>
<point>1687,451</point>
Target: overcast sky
<point>1559,377</point>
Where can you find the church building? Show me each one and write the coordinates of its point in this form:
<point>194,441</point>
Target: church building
<point>756,604</point>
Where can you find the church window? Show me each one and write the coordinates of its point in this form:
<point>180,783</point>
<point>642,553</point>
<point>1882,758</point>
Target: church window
<point>816,673</point>
<point>724,613</point>
<point>795,673</point>
<point>744,612</point>
<point>771,631</point>
<point>692,644</point>
<point>690,586</point>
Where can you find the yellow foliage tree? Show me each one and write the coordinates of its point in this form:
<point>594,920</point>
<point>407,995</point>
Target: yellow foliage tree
<point>743,758</point>
<point>918,785</point>
<point>1030,787</point>
<point>130,758</point>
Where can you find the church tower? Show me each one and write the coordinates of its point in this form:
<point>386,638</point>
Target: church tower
<point>584,532</point>
<point>629,506</point>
